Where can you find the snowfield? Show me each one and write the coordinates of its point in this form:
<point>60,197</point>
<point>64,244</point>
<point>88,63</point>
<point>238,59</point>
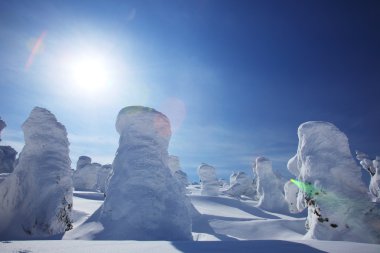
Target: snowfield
<point>224,225</point>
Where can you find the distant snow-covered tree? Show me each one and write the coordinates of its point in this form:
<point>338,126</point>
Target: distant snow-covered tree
<point>209,180</point>
<point>373,168</point>
<point>269,187</point>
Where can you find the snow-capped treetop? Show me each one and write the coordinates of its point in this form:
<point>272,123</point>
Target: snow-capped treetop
<point>83,161</point>
<point>207,173</point>
<point>139,119</point>
<point>324,147</point>
<point>40,125</point>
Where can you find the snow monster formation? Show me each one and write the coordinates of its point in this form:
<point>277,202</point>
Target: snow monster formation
<point>90,176</point>
<point>36,199</point>
<point>373,168</point>
<point>85,177</point>
<point>269,187</point>
<point>177,172</point>
<point>240,184</point>
<point>209,181</point>
<point>143,201</point>
<point>330,186</point>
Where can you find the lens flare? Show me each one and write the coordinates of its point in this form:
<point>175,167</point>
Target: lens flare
<point>35,50</point>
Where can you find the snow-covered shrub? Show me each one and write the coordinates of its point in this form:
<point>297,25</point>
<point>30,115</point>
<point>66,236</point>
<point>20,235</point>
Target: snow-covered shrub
<point>339,207</point>
<point>373,168</point>
<point>7,159</point>
<point>269,187</point>
<point>240,184</point>
<point>143,201</point>
<point>209,181</point>
<point>36,199</point>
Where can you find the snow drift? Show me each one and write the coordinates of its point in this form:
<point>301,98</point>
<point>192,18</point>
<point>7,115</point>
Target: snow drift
<point>143,202</point>
<point>209,181</point>
<point>339,207</point>
<point>36,199</point>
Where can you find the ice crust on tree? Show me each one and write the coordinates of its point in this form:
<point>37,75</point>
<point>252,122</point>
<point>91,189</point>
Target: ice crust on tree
<point>209,181</point>
<point>36,199</point>
<point>339,207</point>
<point>143,200</point>
<point>269,186</point>
<point>373,168</point>
<point>240,184</point>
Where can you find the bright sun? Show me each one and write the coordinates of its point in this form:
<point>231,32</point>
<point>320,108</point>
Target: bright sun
<point>89,73</point>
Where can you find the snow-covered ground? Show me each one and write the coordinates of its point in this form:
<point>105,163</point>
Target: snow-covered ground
<point>224,225</point>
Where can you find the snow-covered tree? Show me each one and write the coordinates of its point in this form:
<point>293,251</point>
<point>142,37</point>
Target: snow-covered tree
<point>269,186</point>
<point>36,199</point>
<point>209,181</point>
<point>143,202</point>
<point>240,184</point>
<point>373,168</point>
<point>330,186</point>
<point>177,172</point>
<point>7,159</point>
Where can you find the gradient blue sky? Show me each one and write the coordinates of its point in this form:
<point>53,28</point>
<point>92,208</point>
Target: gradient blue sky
<point>236,78</point>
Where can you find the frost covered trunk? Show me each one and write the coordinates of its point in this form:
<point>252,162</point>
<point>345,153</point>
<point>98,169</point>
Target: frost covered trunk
<point>339,207</point>
<point>144,202</point>
<point>36,199</point>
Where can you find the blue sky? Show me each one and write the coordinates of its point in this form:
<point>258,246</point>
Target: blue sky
<point>236,78</point>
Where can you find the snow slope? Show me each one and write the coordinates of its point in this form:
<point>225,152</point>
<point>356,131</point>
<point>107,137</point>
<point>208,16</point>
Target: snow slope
<point>225,225</point>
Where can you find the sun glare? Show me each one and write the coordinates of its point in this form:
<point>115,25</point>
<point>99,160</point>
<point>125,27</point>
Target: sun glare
<point>89,73</point>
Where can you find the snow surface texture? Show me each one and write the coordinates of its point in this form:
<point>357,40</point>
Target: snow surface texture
<point>7,159</point>
<point>240,184</point>
<point>339,207</point>
<point>36,199</point>
<point>177,172</point>
<point>90,176</point>
<point>209,181</point>
<point>143,200</point>
<point>373,167</point>
<point>269,187</point>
